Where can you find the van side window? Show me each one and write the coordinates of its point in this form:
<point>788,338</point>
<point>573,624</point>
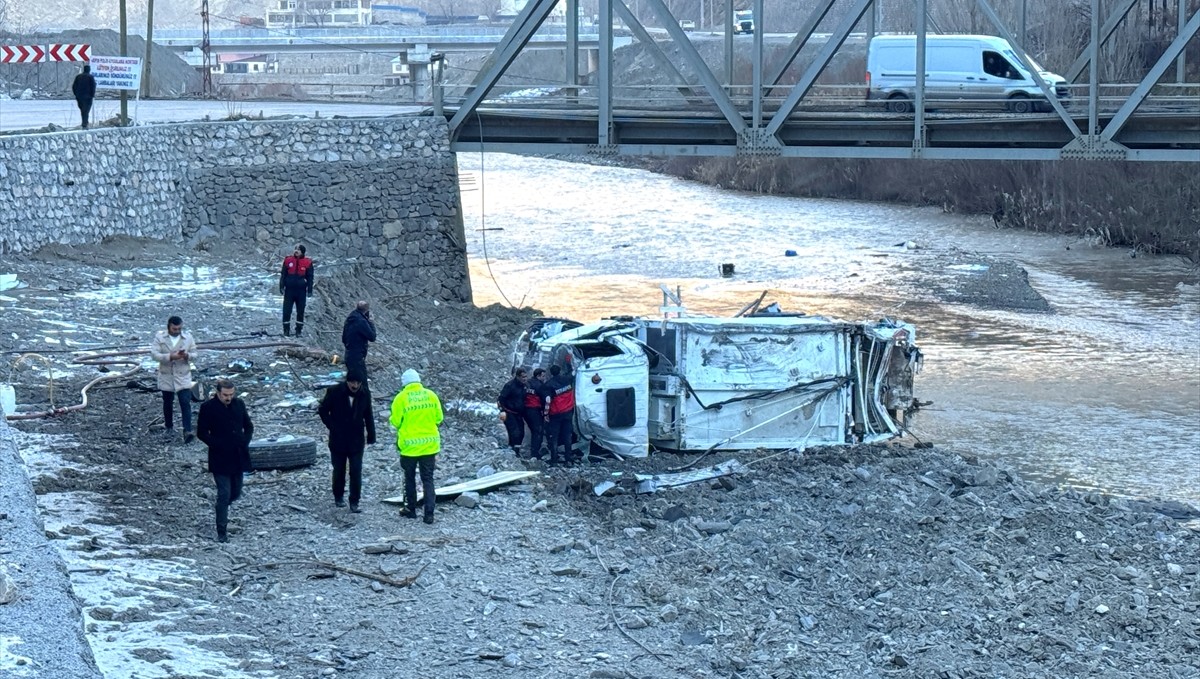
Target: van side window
<point>995,64</point>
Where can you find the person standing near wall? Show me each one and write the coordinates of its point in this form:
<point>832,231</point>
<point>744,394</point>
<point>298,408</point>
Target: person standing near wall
<point>295,284</point>
<point>173,349</point>
<point>357,332</point>
<point>346,412</point>
<point>225,427</point>
<point>416,414</point>
<point>84,89</point>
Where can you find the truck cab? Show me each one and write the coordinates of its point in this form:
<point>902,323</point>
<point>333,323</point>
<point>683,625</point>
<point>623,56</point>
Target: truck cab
<point>743,21</point>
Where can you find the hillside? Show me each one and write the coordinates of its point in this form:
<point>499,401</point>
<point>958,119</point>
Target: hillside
<point>26,16</point>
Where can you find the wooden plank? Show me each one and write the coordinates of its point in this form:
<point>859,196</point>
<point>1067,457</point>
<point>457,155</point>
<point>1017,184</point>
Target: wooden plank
<point>485,483</point>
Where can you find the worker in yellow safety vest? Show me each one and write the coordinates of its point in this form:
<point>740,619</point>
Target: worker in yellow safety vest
<point>416,414</point>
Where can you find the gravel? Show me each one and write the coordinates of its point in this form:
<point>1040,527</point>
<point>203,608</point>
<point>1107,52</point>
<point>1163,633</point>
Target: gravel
<point>865,561</point>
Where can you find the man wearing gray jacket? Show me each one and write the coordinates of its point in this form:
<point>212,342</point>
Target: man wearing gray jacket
<point>173,349</point>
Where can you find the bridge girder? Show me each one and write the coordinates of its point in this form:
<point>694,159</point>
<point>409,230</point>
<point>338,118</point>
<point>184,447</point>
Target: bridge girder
<point>740,120</point>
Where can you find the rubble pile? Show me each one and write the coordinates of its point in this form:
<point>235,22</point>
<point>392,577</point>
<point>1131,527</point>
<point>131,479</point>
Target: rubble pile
<point>848,562</point>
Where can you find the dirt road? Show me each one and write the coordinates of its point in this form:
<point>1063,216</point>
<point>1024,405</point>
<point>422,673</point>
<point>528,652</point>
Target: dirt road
<point>859,562</point>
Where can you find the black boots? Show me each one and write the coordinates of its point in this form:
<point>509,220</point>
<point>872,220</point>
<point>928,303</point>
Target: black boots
<point>299,328</point>
<point>287,329</point>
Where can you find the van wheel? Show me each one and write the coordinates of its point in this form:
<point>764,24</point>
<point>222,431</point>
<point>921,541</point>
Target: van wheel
<point>898,103</point>
<point>1019,103</point>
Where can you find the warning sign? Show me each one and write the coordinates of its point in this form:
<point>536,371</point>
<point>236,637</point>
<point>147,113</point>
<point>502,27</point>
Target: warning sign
<point>117,73</point>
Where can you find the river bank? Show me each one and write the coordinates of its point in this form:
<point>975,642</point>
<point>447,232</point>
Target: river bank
<point>1146,207</point>
<point>857,562</point>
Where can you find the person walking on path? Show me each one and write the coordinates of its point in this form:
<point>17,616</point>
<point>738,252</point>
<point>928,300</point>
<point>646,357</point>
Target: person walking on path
<point>357,333</point>
<point>512,409</point>
<point>84,89</point>
<point>225,427</point>
<point>346,412</point>
<point>173,349</point>
<point>295,284</point>
<point>416,414</point>
<point>535,399</point>
<point>560,413</point>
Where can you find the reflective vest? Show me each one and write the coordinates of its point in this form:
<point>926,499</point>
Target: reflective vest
<point>416,414</point>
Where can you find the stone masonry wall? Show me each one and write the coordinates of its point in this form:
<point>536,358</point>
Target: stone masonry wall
<point>380,192</point>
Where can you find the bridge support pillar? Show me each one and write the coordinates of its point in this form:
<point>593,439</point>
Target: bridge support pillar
<point>593,59</point>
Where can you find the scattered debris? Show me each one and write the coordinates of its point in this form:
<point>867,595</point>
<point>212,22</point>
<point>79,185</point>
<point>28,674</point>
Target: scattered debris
<point>654,482</point>
<point>480,484</point>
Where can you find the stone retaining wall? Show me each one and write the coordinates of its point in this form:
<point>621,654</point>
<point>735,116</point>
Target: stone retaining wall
<point>383,192</point>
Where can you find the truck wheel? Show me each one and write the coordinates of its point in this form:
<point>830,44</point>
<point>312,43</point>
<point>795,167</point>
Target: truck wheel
<point>283,452</point>
<point>1019,103</point>
<point>898,103</point>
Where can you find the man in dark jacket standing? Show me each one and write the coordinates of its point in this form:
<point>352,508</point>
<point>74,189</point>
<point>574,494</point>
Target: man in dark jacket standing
<point>512,407</point>
<point>84,89</point>
<point>346,412</point>
<point>295,284</point>
<point>358,331</point>
<point>560,415</point>
<point>225,427</point>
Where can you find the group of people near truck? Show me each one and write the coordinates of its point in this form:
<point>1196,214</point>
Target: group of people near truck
<point>543,406</point>
<point>225,427</point>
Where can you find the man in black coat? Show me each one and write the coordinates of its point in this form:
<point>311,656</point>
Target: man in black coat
<point>346,412</point>
<point>512,408</point>
<point>84,89</point>
<point>358,331</point>
<point>225,427</point>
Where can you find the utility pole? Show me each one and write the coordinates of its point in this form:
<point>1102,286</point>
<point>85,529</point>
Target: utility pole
<point>124,52</point>
<point>149,42</point>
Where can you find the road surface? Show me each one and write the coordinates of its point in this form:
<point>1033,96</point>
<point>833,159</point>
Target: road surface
<point>36,113</point>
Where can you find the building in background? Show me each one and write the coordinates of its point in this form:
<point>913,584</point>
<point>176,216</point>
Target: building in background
<point>397,15</point>
<point>319,13</point>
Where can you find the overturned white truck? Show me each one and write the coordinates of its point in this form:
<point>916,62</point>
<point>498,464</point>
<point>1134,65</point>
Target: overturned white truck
<point>768,380</point>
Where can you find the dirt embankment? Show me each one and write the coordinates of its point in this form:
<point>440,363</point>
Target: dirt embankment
<point>858,562</point>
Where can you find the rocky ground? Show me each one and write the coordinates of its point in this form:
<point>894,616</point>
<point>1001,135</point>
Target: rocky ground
<point>858,562</point>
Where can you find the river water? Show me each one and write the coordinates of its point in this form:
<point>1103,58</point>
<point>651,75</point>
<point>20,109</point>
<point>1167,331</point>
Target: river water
<point>1101,392</point>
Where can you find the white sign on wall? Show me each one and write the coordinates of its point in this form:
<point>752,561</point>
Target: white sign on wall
<point>117,73</point>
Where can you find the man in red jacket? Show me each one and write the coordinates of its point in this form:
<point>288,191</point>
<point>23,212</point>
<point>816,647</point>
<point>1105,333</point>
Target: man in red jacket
<point>560,415</point>
<point>295,284</point>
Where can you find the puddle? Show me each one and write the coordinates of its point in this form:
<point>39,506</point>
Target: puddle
<point>138,611</point>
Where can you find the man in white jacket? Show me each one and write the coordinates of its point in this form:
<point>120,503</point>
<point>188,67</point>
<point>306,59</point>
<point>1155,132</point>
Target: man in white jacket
<point>173,349</point>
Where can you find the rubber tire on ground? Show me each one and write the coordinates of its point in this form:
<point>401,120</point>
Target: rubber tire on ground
<point>1019,103</point>
<point>289,453</point>
<point>898,103</point>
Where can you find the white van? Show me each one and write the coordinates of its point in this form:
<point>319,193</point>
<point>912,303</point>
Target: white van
<point>961,71</point>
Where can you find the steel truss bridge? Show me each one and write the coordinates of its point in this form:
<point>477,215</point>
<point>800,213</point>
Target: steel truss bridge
<point>703,115</point>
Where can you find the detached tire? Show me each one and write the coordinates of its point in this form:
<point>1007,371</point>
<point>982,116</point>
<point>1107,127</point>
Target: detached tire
<point>283,452</point>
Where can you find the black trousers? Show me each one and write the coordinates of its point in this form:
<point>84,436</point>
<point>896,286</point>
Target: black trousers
<point>514,424</point>
<point>427,464</point>
<point>358,363</point>
<point>185,409</point>
<point>558,435</point>
<point>297,298</point>
<point>229,489</point>
<point>533,419</point>
<point>340,463</point>
<point>85,109</point>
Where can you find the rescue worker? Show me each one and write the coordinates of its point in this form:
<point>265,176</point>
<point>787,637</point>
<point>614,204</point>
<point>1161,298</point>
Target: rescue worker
<point>225,427</point>
<point>512,409</point>
<point>346,412</point>
<point>559,415</point>
<point>173,349</point>
<point>295,284</point>
<point>357,332</point>
<point>416,414</point>
<point>535,398</point>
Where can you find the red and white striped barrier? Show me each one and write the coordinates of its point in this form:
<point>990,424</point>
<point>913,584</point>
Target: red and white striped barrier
<point>69,52</point>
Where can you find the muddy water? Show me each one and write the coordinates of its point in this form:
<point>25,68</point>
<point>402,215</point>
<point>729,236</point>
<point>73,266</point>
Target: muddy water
<point>1101,392</point>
